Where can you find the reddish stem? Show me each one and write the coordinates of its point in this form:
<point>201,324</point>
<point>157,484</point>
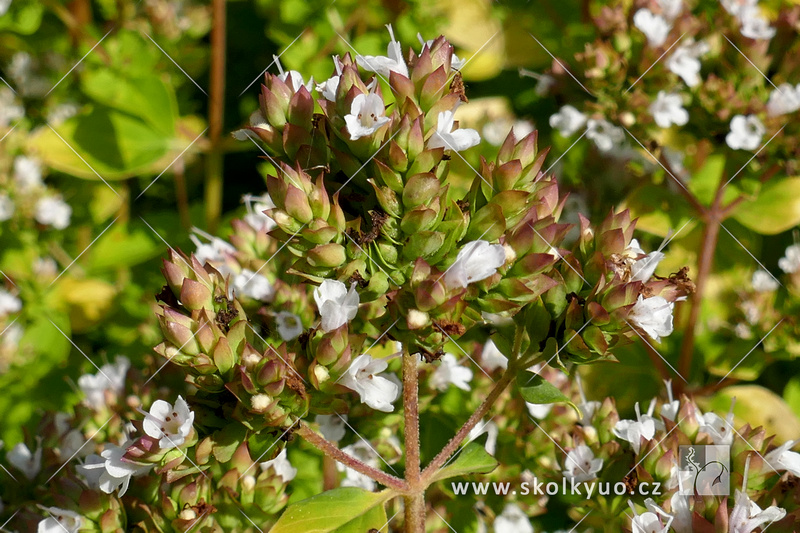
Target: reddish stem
<point>471,422</point>
<point>713,217</point>
<point>331,450</point>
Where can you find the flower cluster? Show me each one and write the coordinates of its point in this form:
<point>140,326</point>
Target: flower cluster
<point>361,245</point>
<point>603,448</point>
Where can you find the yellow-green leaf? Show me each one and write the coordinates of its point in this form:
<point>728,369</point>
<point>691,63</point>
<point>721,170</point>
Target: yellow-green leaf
<point>775,210</point>
<point>334,510</point>
<point>474,459</point>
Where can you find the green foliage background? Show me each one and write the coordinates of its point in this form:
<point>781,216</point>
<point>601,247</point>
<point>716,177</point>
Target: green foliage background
<point>133,165</point>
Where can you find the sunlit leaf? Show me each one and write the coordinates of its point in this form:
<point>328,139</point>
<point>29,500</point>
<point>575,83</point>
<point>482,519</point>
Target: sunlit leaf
<point>334,510</point>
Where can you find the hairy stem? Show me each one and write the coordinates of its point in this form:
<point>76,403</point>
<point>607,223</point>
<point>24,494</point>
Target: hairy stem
<point>473,420</point>
<point>415,512</point>
<point>411,416</point>
<point>331,450</point>
<point>216,112</point>
<point>415,502</point>
<point>330,476</point>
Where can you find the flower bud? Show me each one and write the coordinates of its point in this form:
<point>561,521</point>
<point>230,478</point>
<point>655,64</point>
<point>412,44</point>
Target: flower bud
<point>195,295</point>
<point>416,319</point>
<point>329,255</point>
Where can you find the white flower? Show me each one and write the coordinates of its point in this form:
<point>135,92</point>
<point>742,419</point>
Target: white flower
<point>720,430</point>
<point>455,62</point>
<point>27,462</point>
<point>367,115</point>
<point>604,134</point>
<point>376,391</point>
<point>655,27</point>
<point>790,262</point>
<point>9,303</point>
<point>7,207</point>
<point>512,520</point>
<point>255,217</point>
<point>675,161</point>
<point>53,211</point>
<point>11,338</point>
<point>332,427</point>
<point>4,5</point>
<point>644,427</point>
<point>10,110</point>
<point>383,65</point>
<point>445,137</point>
<point>476,261</point>
<point>785,99</point>
<point>337,306</point>
<point>492,358</point>
<point>685,62</point>
<point>170,424</point>
<point>214,251</point>
<point>763,281</point>
<point>450,372</point>
<point>581,464</point>
<point>73,444</point>
<point>24,70</point>
<point>746,133</point>
<point>782,458</point>
<point>587,408</point>
<point>27,172</point>
<point>755,25</point>
<point>289,325</point>
<point>747,515</point>
<point>257,121</point>
<point>668,109</point>
<point>60,521</point>
<point>539,410</point>
<point>295,78</point>
<point>110,377</point>
<point>364,452</point>
<point>567,121</point>
<point>329,87</point>
<point>282,467</point>
<point>644,268</point>
<point>737,7</point>
<point>653,315</point>
<point>57,114</point>
<point>490,428</point>
<point>253,285</point>
<point>671,8</point>
<point>110,470</point>
<point>654,520</point>
<point>670,409</point>
<point>679,505</point>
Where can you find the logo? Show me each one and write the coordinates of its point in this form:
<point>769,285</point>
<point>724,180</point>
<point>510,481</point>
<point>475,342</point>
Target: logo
<point>705,470</point>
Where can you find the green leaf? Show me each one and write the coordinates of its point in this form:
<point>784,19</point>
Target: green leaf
<point>705,181</point>
<point>22,17</point>
<point>658,210</point>
<point>791,395</point>
<point>374,519</point>
<point>147,98</point>
<point>43,353</point>
<point>334,510</point>
<point>112,143</point>
<point>775,210</point>
<point>474,459</point>
<point>535,389</point>
<point>120,246</point>
<point>227,440</point>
